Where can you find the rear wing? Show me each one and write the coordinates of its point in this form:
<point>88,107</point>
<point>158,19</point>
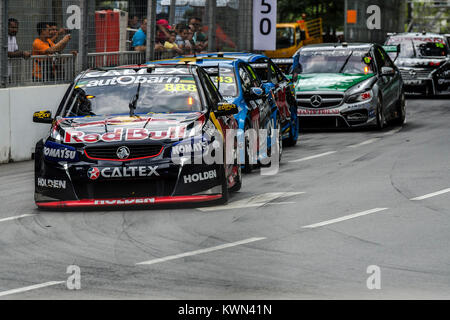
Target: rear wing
<point>391,49</point>
<point>285,64</point>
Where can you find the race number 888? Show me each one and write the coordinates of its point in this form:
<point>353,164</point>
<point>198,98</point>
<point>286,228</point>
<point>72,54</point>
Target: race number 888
<point>180,87</point>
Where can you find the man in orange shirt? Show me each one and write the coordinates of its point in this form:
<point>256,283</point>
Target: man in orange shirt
<point>44,68</point>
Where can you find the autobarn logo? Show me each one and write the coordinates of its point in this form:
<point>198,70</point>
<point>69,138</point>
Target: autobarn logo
<point>195,177</point>
<point>122,172</point>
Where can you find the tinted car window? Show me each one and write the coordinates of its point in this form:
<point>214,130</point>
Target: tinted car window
<point>411,47</point>
<point>112,95</point>
<point>334,61</point>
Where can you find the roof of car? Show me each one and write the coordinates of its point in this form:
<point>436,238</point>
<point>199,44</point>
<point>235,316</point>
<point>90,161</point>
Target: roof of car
<point>416,34</point>
<point>122,70</point>
<point>343,45</point>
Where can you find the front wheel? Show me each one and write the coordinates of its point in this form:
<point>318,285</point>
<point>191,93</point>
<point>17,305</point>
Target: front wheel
<point>293,132</point>
<point>380,115</point>
<point>401,110</point>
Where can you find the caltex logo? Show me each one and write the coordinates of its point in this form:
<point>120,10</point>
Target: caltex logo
<point>93,173</point>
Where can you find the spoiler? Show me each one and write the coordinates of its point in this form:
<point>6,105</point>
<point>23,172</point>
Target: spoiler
<point>284,64</point>
<point>395,49</point>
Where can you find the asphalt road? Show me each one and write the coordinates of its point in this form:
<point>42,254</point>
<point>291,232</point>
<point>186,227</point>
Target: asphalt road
<point>340,203</point>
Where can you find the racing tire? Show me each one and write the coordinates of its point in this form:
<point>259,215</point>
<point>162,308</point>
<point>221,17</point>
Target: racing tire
<point>380,115</point>
<point>280,142</point>
<point>237,186</point>
<point>401,110</point>
<point>225,192</point>
<point>293,133</point>
<point>247,167</point>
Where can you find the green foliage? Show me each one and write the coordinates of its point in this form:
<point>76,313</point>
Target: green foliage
<point>331,12</point>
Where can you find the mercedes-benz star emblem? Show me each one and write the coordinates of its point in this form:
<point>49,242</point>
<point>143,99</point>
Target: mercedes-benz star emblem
<point>316,101</point>
<point>123,153</point>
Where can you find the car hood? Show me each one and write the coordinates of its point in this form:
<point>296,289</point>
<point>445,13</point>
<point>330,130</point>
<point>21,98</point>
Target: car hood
<point>106,129</point>
<point>328,81</point>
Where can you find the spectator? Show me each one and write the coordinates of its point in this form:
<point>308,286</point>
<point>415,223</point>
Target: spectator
<point>170,43</point>
<point>140,39</point>
<point>162,31</point>
<point>200,39</point>
<point>55,33</point>
<point>133,23</point>
<point>182,34</point>
<point>44,68</point>
<point>189,45</point>
<point>13,48</point>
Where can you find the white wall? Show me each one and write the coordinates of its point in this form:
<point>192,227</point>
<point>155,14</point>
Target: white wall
<point>5,129</point>
<point>22,103</point>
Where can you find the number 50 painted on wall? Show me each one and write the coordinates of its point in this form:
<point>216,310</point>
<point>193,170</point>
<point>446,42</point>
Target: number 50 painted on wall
<point>264,24</point>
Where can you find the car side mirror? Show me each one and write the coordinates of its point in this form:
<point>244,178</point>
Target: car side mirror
<point>255,93</point>
<point>226,109</point>
<point>43,117</point>
<point>387,71</point>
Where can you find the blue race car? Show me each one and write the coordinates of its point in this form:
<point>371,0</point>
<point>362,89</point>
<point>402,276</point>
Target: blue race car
<point>239,84</point>
<point>281,87</point>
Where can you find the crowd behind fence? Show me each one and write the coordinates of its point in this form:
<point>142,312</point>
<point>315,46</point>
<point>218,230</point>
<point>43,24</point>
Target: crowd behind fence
<point>50,41</point>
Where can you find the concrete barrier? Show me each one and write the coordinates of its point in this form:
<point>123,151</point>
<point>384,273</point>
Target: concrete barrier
<point>23,133</point>
<point>5,129</point>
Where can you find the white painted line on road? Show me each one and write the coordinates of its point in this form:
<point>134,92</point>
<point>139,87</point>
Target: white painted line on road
<point>350,216</point>
<point>196,252</point>
<point>17,217</point>
<point>432,194</point>
<point>24,289</point>
<point>255,201</point>
<point>271,203</point>
<point>363,143</point>
<point>314,157</point>
<point>393,131</point>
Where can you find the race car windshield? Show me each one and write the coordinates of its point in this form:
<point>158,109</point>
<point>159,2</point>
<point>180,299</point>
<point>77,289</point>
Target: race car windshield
<point>334,61</point>
<point>112,95</point>
<point>418,47</point>
<point>227,87</point>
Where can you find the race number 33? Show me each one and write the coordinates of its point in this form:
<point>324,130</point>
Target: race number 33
<point>264,24</point>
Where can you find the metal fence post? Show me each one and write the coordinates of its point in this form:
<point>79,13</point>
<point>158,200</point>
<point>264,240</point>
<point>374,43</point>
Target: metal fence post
<point>212,8</point>
<point>172,12</point>
<point>4,43</point>
<point>82,62</point>
<point>151,30</point>
<point>245,39</point>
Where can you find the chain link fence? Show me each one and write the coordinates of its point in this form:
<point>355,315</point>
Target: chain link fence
<point>50,41</point>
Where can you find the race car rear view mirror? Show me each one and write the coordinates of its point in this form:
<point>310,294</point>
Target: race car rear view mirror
<point>387,71</point>
<point>43,117</point>
<point>226,109</point>
<point>256,92</point>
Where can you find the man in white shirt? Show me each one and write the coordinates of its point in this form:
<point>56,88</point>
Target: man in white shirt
<point>13,48</point>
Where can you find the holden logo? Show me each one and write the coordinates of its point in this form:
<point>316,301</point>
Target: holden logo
<point>93,173</point>
<point>123,153</point>
<point>412,73</point>
<point>316,101</point>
